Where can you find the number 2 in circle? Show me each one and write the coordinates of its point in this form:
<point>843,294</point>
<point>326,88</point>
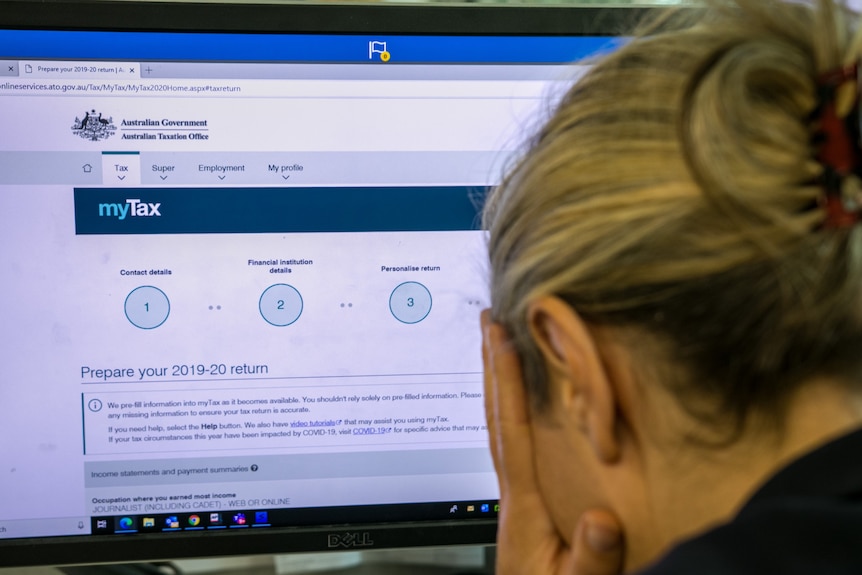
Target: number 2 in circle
<point>281,304</point>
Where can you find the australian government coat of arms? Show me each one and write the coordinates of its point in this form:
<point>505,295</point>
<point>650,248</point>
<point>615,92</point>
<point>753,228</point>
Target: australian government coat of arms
<point>94,127</point>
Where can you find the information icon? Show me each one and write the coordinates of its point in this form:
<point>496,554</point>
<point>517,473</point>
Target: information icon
<point>280,305</point>
<point>410,302</point>
<point>147,307</point>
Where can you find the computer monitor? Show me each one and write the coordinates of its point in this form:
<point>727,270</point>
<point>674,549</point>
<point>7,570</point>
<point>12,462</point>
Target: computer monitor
<point>243,269</point>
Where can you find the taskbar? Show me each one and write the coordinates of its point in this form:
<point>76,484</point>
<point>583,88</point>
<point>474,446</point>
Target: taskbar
<point>238,519</point>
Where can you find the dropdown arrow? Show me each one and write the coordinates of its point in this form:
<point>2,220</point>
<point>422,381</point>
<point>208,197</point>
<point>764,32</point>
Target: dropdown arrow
<point>285,177</point>
<point>221,177</point>
<point>163,177</point>
<point>121,177</point>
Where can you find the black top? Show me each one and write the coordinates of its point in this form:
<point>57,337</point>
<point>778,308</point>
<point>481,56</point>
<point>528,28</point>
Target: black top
<point>806,519</point>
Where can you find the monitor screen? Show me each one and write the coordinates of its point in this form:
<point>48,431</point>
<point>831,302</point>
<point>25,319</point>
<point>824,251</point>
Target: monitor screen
<point>243,270</point>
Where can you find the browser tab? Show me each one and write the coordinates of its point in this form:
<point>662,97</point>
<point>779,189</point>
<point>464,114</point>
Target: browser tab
<point>79,70</point>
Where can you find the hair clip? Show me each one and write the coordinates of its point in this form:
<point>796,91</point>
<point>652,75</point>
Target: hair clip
<point>838,136</point>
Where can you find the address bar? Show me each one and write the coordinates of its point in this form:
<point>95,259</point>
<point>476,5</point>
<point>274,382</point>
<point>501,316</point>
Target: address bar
<point>377,89</point>
<point>110,88</point>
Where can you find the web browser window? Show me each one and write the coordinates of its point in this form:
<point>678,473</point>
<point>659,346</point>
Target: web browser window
<point>239,289</point>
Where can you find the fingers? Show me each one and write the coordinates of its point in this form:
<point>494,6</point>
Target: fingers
<point>489,391</point>
<point>506,409</point>
<point>490,395</point>
<point>527,536</point>
<point>597,546</point>
<point>531,539</point>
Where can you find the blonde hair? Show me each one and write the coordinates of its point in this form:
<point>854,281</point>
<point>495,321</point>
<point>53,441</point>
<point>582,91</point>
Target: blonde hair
<point>675,190</point>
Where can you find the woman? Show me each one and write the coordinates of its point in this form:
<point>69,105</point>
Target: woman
<point>673,349</point>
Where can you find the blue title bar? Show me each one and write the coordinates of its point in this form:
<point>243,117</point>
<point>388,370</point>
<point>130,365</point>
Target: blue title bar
<point>275,210</point>
<point>53,44</point>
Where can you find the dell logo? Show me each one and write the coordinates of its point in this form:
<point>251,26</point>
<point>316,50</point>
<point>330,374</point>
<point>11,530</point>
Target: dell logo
<point>347,540</point>
<point>130,208</point>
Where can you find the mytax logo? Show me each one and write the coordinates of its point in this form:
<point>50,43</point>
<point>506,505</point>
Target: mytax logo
<point>133,208</point>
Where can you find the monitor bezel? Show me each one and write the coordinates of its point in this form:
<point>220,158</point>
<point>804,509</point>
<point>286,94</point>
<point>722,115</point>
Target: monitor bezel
<point>286,18</point>
<point>424,19</point>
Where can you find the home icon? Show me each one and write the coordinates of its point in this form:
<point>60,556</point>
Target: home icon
<point>87,168</point>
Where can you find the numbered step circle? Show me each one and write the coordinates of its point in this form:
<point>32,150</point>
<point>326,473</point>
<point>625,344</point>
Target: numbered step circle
<point>410,302</point>
<point>280,305</point>
<point>147,307</point>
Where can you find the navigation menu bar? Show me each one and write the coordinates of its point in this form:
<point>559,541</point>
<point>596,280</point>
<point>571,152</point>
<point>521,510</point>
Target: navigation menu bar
<point>256,169</point>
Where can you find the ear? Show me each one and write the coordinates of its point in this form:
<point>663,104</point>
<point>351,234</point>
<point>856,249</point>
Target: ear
<point>581,388</point>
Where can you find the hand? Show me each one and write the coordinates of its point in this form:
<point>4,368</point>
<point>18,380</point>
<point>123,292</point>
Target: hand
<point>527,540</point>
